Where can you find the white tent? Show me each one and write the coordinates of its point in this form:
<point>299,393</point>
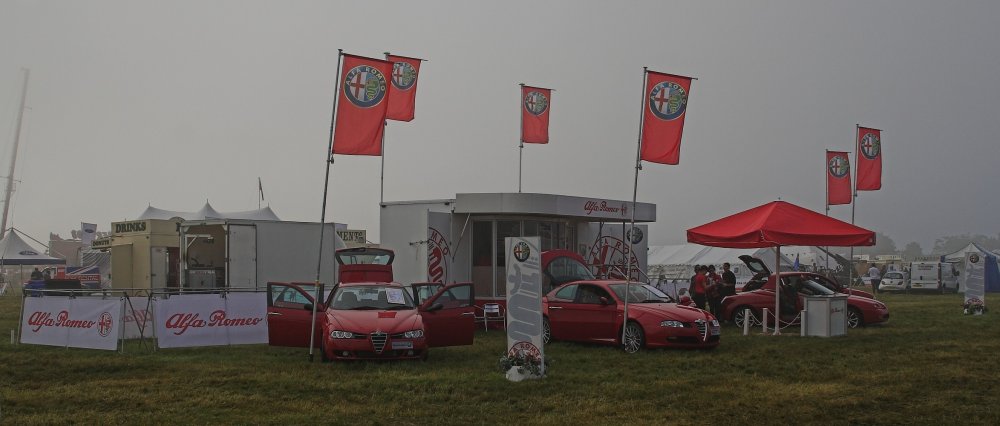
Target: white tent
<point>208,212</point>
<point>671,267</point>
<point>958,258</point>
<point>15,251</point>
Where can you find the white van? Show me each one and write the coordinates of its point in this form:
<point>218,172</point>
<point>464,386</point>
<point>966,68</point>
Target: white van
<point>935,276</point>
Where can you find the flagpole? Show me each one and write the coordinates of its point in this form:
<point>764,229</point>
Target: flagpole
<point>322,220</point>
<point>826,169</point>
<point>635,194</point>
<point>381,184</point>
<point>520,155</point>
<point>854,197</point>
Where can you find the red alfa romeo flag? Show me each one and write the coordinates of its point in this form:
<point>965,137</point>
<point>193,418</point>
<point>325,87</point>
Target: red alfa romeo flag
<point>838,178</point>
<point>869,159</point>
<point>663,117</point>
<point>535,103</point>
<point>403,90</point>
<point>362,106</point>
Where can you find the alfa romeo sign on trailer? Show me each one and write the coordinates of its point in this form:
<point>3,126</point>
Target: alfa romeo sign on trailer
<point>524,307</point>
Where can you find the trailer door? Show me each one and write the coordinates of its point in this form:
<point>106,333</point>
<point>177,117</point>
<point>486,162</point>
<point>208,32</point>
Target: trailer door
<point>241,256</point>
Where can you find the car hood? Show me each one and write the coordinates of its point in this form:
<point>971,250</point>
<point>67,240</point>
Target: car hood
<point>368,321</point>
<point>670,311</point>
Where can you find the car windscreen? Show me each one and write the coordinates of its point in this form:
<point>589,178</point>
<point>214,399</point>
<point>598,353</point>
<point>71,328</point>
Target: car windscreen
<point>565,269</point>
<point>813,288</point>
<point>370,297</point>
<point>893,276</point>
<point>640,293</point>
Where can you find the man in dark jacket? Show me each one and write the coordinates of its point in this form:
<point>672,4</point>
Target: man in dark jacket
<point>728,281</point>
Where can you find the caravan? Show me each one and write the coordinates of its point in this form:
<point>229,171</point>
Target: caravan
<point>935,276</point>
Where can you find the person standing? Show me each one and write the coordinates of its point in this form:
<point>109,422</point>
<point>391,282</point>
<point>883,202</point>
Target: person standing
<point>728,281</point>
<point>875,277</point>
<point>698,283</point>
<point>713,291</point>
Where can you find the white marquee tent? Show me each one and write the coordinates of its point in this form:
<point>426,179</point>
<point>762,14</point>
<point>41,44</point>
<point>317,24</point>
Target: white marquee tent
<point>208,212</point>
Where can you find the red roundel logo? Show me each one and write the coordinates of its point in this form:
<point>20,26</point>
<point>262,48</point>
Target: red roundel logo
<point>438,257</point>
<point>525,350</point>
<point>105,324</point>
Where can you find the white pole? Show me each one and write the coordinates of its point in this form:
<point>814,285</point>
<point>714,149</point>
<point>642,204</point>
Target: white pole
<point>13,158</point>
<point>520,152</point>
<point>746,321</point>
<point>764,321</point>
<point>777,290</point>
<point>802,323</point>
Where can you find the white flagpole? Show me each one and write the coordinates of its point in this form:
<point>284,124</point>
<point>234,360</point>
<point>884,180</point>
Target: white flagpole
<point>826,180</point>
<point>520,156</point>
<point>635,193</point>
<point>322,220</point>
<point>854,198</point>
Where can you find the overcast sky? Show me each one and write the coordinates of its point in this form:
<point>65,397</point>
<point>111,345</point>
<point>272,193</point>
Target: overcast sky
<point>172,103</point>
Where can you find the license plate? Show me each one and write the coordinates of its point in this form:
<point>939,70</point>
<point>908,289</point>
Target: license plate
<point>916,285</point>
<point>716,331</point>
<point>402,345</point>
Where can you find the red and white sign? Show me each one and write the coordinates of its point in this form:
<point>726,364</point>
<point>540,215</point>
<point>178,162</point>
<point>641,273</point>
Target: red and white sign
<point>210,320</point>
<point>439,251</point>
<point>80,322</point>
<point>362,106</point>
<point>137,318</point>
<point>838,178</point>
<point>535,105</point>
<point>869,159</point>
<point>664,109</point>
<point>403,90</point>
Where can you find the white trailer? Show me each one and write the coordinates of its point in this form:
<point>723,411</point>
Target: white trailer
<point>237,253</point>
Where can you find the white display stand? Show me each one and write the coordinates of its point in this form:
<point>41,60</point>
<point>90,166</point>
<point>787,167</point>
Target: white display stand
<point>826,316</point>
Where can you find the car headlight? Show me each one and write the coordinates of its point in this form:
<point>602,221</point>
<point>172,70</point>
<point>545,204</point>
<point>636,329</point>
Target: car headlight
<point>671,323</point>
<point>338,334</point>
<point>715,323</point>
<point>414,334</point>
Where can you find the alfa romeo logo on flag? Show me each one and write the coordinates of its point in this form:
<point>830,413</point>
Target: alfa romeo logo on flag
<point>522,251</point>
<point>667,100</point>
<point>871,147</point>
<point>403,75</point>
<point>104,325</point>
<point>364,86</point>
<point>839,167</point>
<point>536,103</point>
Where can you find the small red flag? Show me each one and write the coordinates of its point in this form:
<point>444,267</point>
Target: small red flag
<point>403,90</point>
<point>838,178</point>
<point>362,106</point>
<point>869,159</point>
<point>535,103</point>
<point>665,103</point>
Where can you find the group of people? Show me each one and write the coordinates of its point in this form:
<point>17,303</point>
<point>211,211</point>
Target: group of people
<point>708,288</point>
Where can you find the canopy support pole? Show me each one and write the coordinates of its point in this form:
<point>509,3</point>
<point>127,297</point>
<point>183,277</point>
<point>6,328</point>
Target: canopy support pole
<point>777,290</point>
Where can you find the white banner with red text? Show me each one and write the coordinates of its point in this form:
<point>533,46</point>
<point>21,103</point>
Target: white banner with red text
<point>210,319</point>
<point>77,322</point>
<point>524,306</point>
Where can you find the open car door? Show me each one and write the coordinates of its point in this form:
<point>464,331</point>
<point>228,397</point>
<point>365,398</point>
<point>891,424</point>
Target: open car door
<point>449,316</point>
<point>421,292</point>
<point>289,310</point>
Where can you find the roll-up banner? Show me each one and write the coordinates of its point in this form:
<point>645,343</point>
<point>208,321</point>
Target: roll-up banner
<point>80,322</point>
<point>210,319</point>
<point>524,300</point>
<point>975,279</point>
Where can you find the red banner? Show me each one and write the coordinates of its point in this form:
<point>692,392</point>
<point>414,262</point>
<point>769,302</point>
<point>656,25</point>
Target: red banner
<point>403,90</point>
<point>663,117</point>
<point>535,103</point>
<point>869,159</point>
<point>838,178</point>
<point>362,106</point>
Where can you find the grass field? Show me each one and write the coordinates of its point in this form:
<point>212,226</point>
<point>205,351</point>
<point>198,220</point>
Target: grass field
<point>929,365</point>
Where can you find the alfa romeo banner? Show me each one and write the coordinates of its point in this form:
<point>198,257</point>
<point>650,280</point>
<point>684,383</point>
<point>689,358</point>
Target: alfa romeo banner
<point>524,300</point>
<point>137,319</point>
<point>210,320</point>
<point>838,178</point>
<point>80,322</point>
<point>439,253</point>
<point>975,280</point>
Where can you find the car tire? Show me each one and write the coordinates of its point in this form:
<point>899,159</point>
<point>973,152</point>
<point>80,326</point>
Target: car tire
<point>546,331</point>
<point>854,318</point>
<point>635,338</point>
<point>738,316</point>
<point>322,352</point>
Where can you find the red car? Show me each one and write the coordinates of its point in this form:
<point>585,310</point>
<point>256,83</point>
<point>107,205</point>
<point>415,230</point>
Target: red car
<point>360,319</point>
<point>592,311</point>
<point>760,269</point>
<point>757,295</point>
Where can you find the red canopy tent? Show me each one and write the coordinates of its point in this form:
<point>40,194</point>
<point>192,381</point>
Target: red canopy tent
<point>776,224</point>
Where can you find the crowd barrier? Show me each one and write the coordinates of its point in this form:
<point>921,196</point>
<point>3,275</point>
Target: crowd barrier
<point>104,319</point>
